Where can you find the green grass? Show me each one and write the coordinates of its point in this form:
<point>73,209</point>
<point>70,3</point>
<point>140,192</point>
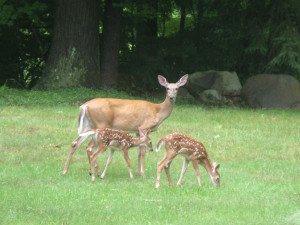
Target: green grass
<point>259,153</point>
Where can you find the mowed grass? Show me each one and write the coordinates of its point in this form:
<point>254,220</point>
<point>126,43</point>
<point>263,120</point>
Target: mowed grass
<point>259,153</point>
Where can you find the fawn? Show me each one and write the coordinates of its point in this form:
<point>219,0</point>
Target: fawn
<point>192,150</point>
<point>117,140</point>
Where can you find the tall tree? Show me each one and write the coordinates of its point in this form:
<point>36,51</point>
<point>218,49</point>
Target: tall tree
<point>111,42</point>
<point>74,53</point>
<point>24,33</point>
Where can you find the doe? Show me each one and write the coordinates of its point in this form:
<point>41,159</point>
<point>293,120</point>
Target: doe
<point>192,150</point>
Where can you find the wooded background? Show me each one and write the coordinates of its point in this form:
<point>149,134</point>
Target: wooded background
<point>126,43</point>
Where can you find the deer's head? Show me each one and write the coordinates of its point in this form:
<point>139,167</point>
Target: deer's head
<point>215,176</point>
<point>146,141</point>
<point>172,88</point>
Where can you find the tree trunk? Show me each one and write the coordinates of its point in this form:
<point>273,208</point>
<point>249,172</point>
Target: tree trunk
<point>111,42</point>
<point>74,53</point>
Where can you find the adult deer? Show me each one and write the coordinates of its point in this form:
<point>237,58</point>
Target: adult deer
<point>192,150</point>
<point>117,140</point>
<point>127,115</point>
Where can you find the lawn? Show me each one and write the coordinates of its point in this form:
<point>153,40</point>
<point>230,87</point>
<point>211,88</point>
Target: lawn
<point>259,153</point>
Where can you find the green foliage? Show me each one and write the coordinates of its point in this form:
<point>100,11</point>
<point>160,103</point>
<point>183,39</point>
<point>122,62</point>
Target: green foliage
<point>249,37</point>
<point>24,32</point>
<point>258,151</point>
<point>66,96</point>
<point>287,57</point>
<point>12,11</point>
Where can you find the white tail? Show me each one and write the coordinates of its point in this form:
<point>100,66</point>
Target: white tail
<point>159,145</point>
<point>84,123</point>
<point>192,150</point>
<point>129,115</point>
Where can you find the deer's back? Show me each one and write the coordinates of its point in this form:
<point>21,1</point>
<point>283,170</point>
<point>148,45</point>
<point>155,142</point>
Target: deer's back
<point>183,144</point>
<point>122,114</point>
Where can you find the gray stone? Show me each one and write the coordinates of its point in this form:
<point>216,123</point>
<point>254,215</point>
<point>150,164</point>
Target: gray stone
<point>211,95</point>
<point>272,91</point>
<point>223,81</point>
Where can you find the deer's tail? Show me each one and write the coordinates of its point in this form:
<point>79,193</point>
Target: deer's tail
<point>160,143</point>
<point>84,122</point>
<point>82,137</point>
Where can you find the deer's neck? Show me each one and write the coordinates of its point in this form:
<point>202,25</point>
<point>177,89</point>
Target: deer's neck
<point>208,166</point>
<point>165,108</point>
<point>136,141</point>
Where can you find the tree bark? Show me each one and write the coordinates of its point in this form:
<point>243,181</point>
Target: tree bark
<point>111,42</point>
<point>74,53</point>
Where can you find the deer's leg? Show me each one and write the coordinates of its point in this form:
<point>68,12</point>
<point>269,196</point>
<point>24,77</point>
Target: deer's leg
<point>73,148</point>
<point>138,169</point>
<point>125,152</point>
<point>183,170</point>
<point>141,161</point>
<point>195,165</point>
<point>93,158</point>
<point>167,169</point>
<point>111,153</point>
<point>169,156</point>
<point>89,151</point>
<point>143,153</point>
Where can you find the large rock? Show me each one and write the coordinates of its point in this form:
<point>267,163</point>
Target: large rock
<point>272,91</point>
<point>224,82</point>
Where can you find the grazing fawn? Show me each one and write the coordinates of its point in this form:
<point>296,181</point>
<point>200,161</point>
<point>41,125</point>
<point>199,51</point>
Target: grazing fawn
<point>192,150</point>
<point>117,140</point>
<point>127,115</point>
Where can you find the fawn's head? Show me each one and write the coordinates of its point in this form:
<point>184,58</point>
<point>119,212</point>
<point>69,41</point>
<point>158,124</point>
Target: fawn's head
<point>172,88</point>
<point>215,176</point>
<point>145,139</point>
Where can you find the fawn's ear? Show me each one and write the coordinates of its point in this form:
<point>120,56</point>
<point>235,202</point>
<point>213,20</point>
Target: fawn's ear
<point>148,132</point>
<point>141,133</point>
<point>182,81</point>
<point>216,166</point>
<point>163,81</point>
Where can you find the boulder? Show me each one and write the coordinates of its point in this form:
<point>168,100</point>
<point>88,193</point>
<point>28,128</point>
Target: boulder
<point>272,91</point>
<point>223,82</point>
<point>215,87</point>
<point>210,95</point>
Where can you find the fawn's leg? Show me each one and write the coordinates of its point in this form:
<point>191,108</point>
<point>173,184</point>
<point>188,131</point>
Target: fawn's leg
<point>183,170</point>
<point>195,165</point>
<point>111,153</point>
<point>167,169</point>
<point>89,151</point>
<point>99,152</point>
<point>169,156</point>
<point>125,153</point>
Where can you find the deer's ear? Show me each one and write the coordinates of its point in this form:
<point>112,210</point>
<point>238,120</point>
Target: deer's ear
<point>148,132</point>
<point>141,133</point>
<point>182,81</point>
<point>163,81</point>
<point>216,166</point>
